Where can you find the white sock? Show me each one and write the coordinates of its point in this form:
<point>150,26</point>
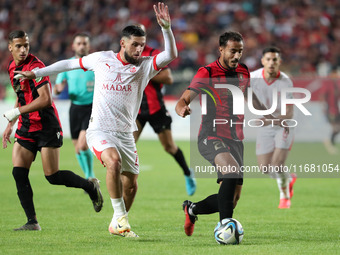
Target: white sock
<point>118,208</point>
<point>190,210</point>
<point>283,184</point>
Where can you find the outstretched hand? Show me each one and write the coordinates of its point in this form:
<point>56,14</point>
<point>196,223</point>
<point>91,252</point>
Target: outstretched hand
<point>162,15</point>
<point>24,75</point>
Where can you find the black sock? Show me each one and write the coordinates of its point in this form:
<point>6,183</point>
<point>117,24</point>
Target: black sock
<point>226,197</point>
<point>25,192</point>
<point>70,179</point>
<point>179,157</point>
<point>32,221</point>
<point>333,137</point>
<point>206,206</point>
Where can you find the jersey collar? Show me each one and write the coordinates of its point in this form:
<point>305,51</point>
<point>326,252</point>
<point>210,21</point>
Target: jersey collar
<point>121,60</point>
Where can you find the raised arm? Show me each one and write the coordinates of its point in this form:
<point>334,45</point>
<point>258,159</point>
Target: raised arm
<point>164,76</point>
<point>57,67</point>
<point>170,51</point>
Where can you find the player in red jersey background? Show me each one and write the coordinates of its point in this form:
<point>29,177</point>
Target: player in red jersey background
<point>153,111</point>
<point>330,96</point>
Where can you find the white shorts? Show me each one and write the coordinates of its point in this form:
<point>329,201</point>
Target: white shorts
<point>124,143</point>
<point>269,138</point>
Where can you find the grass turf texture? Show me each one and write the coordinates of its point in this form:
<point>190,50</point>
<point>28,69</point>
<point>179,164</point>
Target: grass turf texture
<point>70,225</point>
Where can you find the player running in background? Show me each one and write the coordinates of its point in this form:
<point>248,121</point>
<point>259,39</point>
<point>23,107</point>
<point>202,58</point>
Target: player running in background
<point>38,129</point>
<point>330,96</point>
<point>120,79</point>
<point>221,145</point>
<point>273,143</point>
<point>80,89</point>
<point>153,111</point>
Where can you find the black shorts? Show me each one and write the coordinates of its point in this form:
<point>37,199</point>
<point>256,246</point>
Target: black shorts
<point>34,141</point>
<point>159,121</point>
<point>79,118</point>
<point>210,147</point>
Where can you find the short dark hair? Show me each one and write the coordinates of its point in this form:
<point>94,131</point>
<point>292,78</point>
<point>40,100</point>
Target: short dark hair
<point>230,36</point>
<point>133,30</point>
<point>82,34</point>
<point>16,34</point>
<point>272,49</point>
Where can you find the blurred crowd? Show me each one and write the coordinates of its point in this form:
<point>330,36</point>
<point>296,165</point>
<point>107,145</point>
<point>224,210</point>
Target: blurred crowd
<point>307,31</point>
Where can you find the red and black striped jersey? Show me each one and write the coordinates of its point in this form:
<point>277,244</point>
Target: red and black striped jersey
<point>27,91</point>
<point>220,100</point>
<point>152,100</point>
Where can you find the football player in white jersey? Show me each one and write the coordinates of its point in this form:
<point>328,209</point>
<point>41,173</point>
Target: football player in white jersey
<point>273,143</point>
<point>120,79</point>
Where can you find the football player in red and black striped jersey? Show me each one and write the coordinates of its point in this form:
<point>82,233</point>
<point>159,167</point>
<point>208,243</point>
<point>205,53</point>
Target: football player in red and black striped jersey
<point>221,145</point>
<point>39,129</point>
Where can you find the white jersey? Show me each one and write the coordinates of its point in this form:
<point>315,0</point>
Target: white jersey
<point>264,90</point>
<point>118,89</point>
<point>119,86</point>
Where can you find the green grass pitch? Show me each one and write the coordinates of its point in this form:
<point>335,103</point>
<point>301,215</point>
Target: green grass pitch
<point>70,225</point>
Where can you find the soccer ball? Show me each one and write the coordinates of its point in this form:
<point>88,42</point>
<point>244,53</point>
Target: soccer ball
<point>228,231</point>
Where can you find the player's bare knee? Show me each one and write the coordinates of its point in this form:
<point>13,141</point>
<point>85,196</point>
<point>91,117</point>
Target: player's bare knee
<point>229,171</point>
<point>113,166</point>
<point>83,147</point>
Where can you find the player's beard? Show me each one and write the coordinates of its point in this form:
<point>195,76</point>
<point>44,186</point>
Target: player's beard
<point>226,62</point>
<point>129,59</point>
<point>81,54</point>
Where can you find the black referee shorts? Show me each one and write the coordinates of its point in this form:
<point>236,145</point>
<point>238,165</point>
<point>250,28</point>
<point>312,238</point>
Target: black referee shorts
<point>209,147</point>
<point>159,121</point>
<point>79,118</point>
